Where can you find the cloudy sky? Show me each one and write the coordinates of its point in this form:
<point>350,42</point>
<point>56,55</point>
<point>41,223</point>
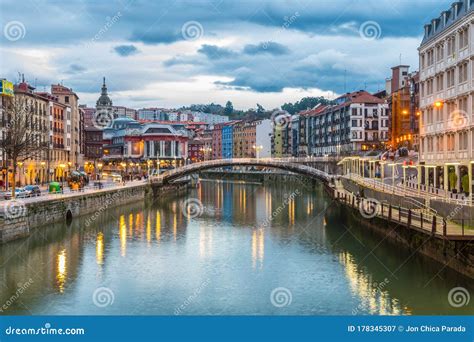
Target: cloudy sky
<point>173,53</point>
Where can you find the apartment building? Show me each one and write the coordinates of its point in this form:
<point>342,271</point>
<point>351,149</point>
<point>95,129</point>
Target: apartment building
<point>446,96</point>
<point>357,122</point>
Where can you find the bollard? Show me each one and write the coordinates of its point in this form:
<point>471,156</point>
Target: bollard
<point>409,218</point>
<point>421,220</point>
<point>433,226</point>
<point>390,212</point>
<point>444,227</point>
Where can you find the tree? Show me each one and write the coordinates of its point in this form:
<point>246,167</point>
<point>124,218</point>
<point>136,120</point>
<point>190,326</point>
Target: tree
<point>23,134</point>
<point>260,110</point>
<point>305,103</point>
<point>229,108</point>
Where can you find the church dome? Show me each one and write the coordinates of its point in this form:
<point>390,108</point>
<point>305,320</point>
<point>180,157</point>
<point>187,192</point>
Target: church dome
<point>104,99</point>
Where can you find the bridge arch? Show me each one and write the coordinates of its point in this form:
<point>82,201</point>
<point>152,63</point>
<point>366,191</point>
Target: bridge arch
<point>301,169</point>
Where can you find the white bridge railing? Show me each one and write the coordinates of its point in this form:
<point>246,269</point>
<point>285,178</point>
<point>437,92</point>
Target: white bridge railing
<point>288,164</point>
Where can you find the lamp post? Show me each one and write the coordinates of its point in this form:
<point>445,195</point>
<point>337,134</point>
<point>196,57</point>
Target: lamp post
<point>124,170</point>
<point>100,174</point>
<point>62,166</point>
<point>257,150</point>
<point>43,164</point>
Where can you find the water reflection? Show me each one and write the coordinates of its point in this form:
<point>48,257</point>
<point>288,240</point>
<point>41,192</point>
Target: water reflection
<point>61,273</point>
<point>248,240</point>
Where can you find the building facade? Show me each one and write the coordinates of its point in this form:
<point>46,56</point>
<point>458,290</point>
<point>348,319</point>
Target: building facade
<point>358,122</point>
<point>446,97</point>
<point>227,141</point>
<point>402,90</point>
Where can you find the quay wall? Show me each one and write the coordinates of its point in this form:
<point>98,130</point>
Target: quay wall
<point>457,254</point>
<point>22,217</point>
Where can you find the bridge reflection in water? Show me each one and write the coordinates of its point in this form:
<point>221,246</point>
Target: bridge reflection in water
<point>248,240</point>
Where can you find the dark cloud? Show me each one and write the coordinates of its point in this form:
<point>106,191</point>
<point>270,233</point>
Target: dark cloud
<point>216,52</point>
<point>126,50</point>
<point>75,69</point>
<point>271,48</point>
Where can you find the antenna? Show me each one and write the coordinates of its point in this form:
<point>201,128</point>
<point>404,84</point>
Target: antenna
<point>345,72</point>
<point>400,58</point>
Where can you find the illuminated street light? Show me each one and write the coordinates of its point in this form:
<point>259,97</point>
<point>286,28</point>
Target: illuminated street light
<point>438,104</point>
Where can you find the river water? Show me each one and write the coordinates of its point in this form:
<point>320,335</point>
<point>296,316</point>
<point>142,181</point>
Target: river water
<point>224,248</point>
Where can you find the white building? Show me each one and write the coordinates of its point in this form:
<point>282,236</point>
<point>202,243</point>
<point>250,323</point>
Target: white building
<point>446,97</point>
<point>358,122</point>
<point>263,138</point>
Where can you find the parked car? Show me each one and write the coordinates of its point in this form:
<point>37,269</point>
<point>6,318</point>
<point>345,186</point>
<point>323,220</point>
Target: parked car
<point>32,190</point>
<point>19,193</point>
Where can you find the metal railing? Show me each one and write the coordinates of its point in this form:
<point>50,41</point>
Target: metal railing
<point>431,224</point>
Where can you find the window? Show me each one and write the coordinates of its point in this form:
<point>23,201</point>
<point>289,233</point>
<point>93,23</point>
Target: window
<point>66,99</point>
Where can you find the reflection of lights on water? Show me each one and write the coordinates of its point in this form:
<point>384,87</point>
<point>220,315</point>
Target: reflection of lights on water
<point>123,234</point>
<point>324,222</point>
<point>376,300</point>
<point>309,207</point>
<point>148,229</point>
<point>258,247</point>
<point>205,241</point>
<point>158,226</point>
<point>99,248</point>
<point>175,225</point>
<point>130,224</point>
<point>61,270</point>
<point>291,211</point>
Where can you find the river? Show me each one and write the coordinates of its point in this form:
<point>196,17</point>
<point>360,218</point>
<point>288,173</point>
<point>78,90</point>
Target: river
<point>224,248</point>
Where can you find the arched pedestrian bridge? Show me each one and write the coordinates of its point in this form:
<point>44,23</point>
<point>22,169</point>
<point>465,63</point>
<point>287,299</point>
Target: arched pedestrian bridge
<point>282,164</point>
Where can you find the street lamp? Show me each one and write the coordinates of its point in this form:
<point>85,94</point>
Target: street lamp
<point>62,166</point>
<point>42,167</point>
<point>438,104</point>
<point>257,149</point>
<point>100,174</point>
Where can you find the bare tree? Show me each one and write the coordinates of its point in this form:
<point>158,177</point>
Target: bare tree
<point>24,132</point>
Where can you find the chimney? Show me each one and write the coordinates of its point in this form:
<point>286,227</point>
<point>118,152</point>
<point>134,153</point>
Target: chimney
<point>427,29</point>
<point>455,7</point>
<point>433,24</point>
<point>444,14</point>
